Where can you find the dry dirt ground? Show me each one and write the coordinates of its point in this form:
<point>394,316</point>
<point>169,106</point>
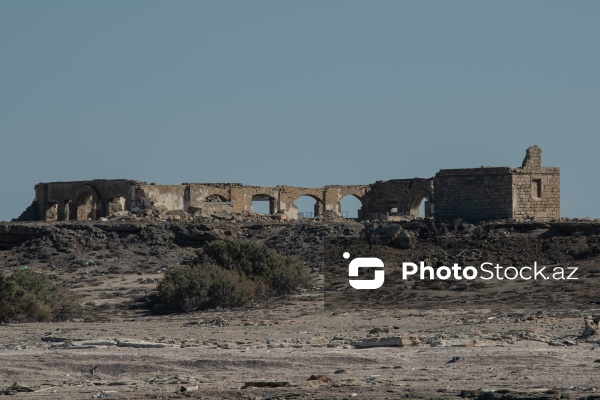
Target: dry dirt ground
<point>120,349</point>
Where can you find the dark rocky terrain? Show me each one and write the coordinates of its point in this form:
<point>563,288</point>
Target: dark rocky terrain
<point>465,348</point>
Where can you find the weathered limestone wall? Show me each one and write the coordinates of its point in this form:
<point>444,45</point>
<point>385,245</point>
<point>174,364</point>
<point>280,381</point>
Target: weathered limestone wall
<point>212,198</point>
<point>399,197</point>
<point>289,194</point>
<point>335,193</point>
<point>80,199</point>
<point>243,196</point>
<point>161,197</point>
<point>229,198</point>
<point>536,189</point>
<point>327,198</point>
<point>473,194</point>
<point>476,194</point>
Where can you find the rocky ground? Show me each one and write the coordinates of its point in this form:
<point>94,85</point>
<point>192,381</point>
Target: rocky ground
<point>118,348</point>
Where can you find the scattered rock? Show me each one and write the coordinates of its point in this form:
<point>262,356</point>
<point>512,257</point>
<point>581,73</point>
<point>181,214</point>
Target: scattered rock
<point>14,389</point>
<point>140,344</point>
<point>54,339</point>
<point>320,378</point>
<point>406,240</point>
<point>185,389</point>
<point>378,330</point>
<point>266,384</point>
<point>394,341</point>
<point>555,343</point>
<point>121,383</point>
<point>591,326</point>
<point>101,342</point>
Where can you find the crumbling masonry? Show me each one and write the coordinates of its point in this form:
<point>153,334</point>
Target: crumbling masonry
<point>474,194</point>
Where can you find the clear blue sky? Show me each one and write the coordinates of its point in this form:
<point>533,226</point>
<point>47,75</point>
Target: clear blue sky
<point>304,93</point>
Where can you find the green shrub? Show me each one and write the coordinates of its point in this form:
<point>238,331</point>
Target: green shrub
<point>229,274</point>
<point>30,296</point>
<point>192,287</point>
<point>281,274</point>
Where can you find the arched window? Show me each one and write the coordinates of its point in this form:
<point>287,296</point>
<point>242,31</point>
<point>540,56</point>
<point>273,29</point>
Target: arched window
<point>308,206</point>
<point>349,206</point>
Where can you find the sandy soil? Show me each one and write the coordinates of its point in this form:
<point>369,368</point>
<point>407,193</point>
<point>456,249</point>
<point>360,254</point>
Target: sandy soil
<point>118,349</point>
<point>220,352</point>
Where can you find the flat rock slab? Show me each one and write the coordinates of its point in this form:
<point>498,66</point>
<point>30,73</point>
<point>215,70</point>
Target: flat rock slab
<point>76,347</point>
<point>267,384</point>
<point>394,341</point>
<point>140,344</point>
<point>99,342</point>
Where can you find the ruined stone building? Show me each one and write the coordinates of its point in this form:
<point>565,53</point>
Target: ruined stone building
<point>531,191</point>
<point>472,194</point>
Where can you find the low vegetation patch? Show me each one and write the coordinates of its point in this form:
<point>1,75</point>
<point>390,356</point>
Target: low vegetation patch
<point>28,296</point>
<point>229,273</point>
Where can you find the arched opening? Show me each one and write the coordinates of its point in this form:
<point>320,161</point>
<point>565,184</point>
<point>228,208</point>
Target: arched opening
<point>263,204</point>
<point>215,198</point>
<point>349,206</point>
<point>308,206</point>
<point>51,212</point>
<point>86,207</point>
<point>420,206</point>
<point>116,204</point>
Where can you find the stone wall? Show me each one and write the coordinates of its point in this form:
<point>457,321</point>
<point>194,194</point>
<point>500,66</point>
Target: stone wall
<point>399,198</point>
<point>161,197</point>
<point>228,198</point>
<point>476,194</point>
<point>473,194</point>
<point>81,200</point>
<point>536,189</point>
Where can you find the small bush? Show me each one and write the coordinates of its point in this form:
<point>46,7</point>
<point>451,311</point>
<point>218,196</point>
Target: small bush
<point>30,296</point>
<point>192,287</point>
<point>229,274</point>
<point>281,274</point>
